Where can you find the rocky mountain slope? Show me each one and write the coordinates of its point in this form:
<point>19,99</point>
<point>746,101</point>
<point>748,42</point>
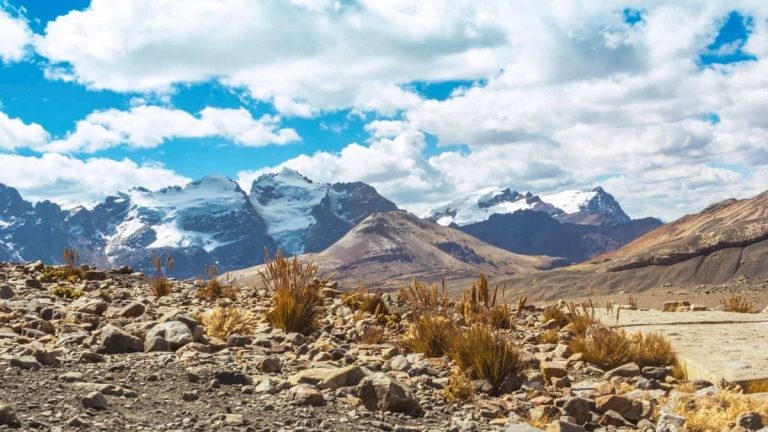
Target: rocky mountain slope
<point>211,220</point>
<point>387,249</point>
<point>725,242</point>
<point>575,225</point>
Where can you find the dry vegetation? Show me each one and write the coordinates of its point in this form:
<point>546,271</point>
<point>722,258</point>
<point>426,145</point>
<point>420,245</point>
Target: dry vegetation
<point>296,291</point>
<point>717,412</point>
<point>222,322</point>
<point>70,272</point>
<point>214,288</point>
<point>459,388</point>
<point>479,305</point>
<point>364,300</point>
<point>485,354</point>
<point>737,303</point>
<point>159,284</point>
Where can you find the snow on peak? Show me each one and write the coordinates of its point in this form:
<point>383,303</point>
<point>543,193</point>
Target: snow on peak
<point>570,201</point>
<point>480,205</point>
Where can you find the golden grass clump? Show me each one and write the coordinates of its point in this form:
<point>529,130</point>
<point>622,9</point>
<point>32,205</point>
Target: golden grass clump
<point>609,348</point>
<point>422,297</point>
<point>479,305</point>
<point>68,292</point>
<point>296,293</point>
<point>459,388</point>
<point>215,288</point>
<point>70,272</point>
<point>485,354</point>
<point>522,301</point>
<point>222,322</point>
<point>431,334</point>
<point>737,303</point>
<point>557,314</point>
<point>581,316</point>
<point>159,284</point>
<point>548,337</point>
<point>717,412</point>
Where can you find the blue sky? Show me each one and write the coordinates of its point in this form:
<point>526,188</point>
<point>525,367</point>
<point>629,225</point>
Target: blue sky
<point>439,99</point>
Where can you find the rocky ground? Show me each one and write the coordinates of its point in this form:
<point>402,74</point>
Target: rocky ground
<point>119,359</point>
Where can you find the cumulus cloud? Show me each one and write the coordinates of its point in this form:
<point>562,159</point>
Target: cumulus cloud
<point>303,55</point>
<point>16,37</point>
<point>14,133</point>
<point>70,181</point>
<point>147,126</point>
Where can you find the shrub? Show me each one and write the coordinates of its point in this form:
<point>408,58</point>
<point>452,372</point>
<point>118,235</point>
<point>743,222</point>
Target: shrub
<point>431,334</point>
<point>222,322</point>
<point>216,289</point>
<point>717,412</point>
<point>737,303</point>
<point>459,388</point>
<point>159,285</point>
<point>296,293</point>
<point>485,354</point>
<point>67,292</point>
<point>59,274</point>
<point>581,316</point>
<point>424,298</point>
<point>652,349</point>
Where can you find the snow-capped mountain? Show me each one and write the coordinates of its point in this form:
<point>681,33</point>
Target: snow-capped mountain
<point>211,220</point>
<point>594,207</point>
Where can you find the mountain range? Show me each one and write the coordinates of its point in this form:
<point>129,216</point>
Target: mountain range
<point>214,220</point>
<point>575,225</point>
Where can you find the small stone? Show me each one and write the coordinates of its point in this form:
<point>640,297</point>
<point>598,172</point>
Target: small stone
<point>626,371</point>
<point>270,364</point>
<point>579,409</point>
<point>6,292</point>
<point>115,340</point>
<point>176,333</point>
<point>190,396</point>
<point>564,426</point>
<point>25,362</point>
<point>8,416</point>
<point>232,378</point>
<point>303,394</point>
<point>750,420</point>
<point>554,370</point>
<point>628,408</point>
<point>234,420</point>
<point>132,310</point>
<point>156,344</point>
<point>33,283</point>
<point>329,378</point>
<point>94,275</point>
<point>95,400</point>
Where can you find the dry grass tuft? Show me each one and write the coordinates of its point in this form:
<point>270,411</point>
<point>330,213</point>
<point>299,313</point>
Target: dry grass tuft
<point>431,334</point>
<point>548,337</point>
<point>632,301</point>
<point>609,348</point>
<point>522,300</point>
<point>215,288</point>
<point>296,293</point>
<point>557,314</point>
<point>717,412</point>
<point>737,303</point>
<point>485,354</point>
<point>421,297</point>
<point>159,285</point>
<point>459,388</point>
<point>479,305</point>
<point>222,322</point>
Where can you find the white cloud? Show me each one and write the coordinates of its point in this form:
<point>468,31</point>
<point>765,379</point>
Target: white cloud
<point>305,55</point>
<point>14,133</point>
<point>70,181</point>
<point>147,126</point>
<point>15,39</point>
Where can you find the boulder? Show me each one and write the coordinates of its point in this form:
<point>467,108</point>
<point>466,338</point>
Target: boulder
<point>628,408</point>
<point>579,409</point>
<point>8,416</point>
<point>132,310</point>
<point>303,394</point>
<point>114,340</point>
<point>176,333</point>
<point>380,392</point>
<point>329,378</point>
<point>626,371</point>
<point>95,400</point>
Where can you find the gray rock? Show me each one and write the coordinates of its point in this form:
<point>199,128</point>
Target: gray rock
<point>329,378</point>
<point>156,344</point>
<point>25,362</point>
<point>94,275</point>
<point>579,409</point>
<point>175,332</point>
<point>750,420</point>
<point>95,400</point>
<point>564,426</point>
<point>380,392</point>
<point>270,364</point>
<point>114,340</point>
<point>132,310</point>
<point>6,292</point>
<point>232,377</point>
<point>8,416</point>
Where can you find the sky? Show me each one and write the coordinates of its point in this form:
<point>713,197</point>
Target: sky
<point>662,103</point>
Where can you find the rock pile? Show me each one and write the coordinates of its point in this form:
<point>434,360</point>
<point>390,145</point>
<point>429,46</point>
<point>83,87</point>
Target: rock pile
<point>116,358</point>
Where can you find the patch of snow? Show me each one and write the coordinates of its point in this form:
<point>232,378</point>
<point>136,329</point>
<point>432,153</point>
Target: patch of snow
<point>467,209</point>
<point>569,201</point>
<point>171,236</point>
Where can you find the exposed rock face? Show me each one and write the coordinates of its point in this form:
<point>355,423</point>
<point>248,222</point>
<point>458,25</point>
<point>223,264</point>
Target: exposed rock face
<point>211,220</point>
